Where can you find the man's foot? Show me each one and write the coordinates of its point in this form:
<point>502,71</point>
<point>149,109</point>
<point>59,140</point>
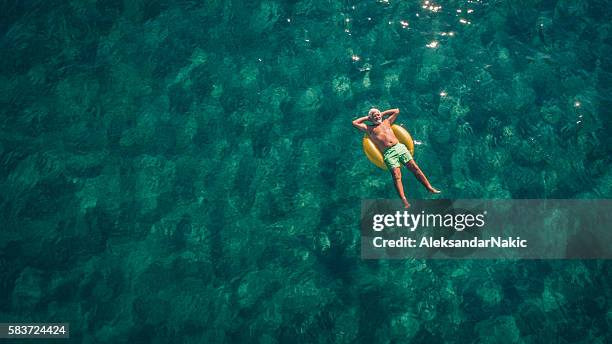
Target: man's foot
<point>434,190</point>
<point>406,204</point>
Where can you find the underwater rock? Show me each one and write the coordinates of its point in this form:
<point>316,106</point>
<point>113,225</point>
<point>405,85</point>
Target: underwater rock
<point>530,152</point>
<point>496,159</point>
<point>346,328</point>
<point>525,181</point>
<point>509,138</point>
<point>464,131</point>
<point>37,189</point>
<point>441,136</point>
<point>543,79</point>
<point>154,177</point>
<point>445,106</point>
<point>322,243</point>
<point>404,327</point>
<point>103,190</point>
<point>551,299</point>
<point>460,163</point>
<point>290,71</point>
<point>427,76</point>
<point>490,293</point>
<point>304,8</point>
<point>187,132</point>
<point>249,74</point>
<point>366,82</point>
<point>264,18</point>
<point>570,9</point>
<point>136,140</point>
<point>551,113</point>
<point>500,330</point>
<point>275,97</point>
<point>391,80</point>
<point>502,65</point>
<point>459,111</point>
<point>184,76</point>
<point>341,86</point>
<point>151,309</point>
<point>483,81</point>
<point>310,101</point>
<point>75,96</point>
<point>603,188</point>
<point>27,291</point>
<point>576,82</point>
<point>495,190</point>
<point>499,103</point>
<point>253,287</point>
<point>523,95</point>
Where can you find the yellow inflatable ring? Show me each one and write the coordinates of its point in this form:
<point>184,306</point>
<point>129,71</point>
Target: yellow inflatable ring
<point>375,155</point>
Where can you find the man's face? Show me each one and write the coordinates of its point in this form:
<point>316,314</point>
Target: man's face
<point>375,116</point>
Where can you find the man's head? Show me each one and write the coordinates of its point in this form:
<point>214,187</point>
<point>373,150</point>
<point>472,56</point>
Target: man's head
<point>375,115</point>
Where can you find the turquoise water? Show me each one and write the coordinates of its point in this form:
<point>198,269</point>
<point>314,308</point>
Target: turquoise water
<point>186,171</point>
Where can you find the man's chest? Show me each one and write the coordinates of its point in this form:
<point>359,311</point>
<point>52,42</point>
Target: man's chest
<point>380,130</point>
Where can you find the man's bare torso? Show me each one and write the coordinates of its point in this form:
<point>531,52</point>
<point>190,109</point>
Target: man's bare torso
<point>382,135</point>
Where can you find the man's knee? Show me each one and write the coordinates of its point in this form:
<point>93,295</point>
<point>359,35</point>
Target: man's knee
<point>396,173</point>
<point>412,165</point>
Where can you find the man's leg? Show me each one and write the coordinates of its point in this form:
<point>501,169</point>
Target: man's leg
<point>412,166</point>
<point>396,173</point>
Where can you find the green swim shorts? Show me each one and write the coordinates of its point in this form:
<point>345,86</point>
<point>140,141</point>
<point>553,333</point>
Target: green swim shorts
<point>396,156</point>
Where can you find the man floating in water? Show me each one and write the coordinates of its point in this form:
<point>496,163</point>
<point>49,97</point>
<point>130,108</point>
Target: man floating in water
<point>395,154</point>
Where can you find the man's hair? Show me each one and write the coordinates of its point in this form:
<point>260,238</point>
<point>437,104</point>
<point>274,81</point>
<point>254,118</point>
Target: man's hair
<point>373,111</point>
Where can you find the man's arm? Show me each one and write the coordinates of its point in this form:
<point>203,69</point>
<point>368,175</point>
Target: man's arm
<point>392,113</point>
<point>358,123</point>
